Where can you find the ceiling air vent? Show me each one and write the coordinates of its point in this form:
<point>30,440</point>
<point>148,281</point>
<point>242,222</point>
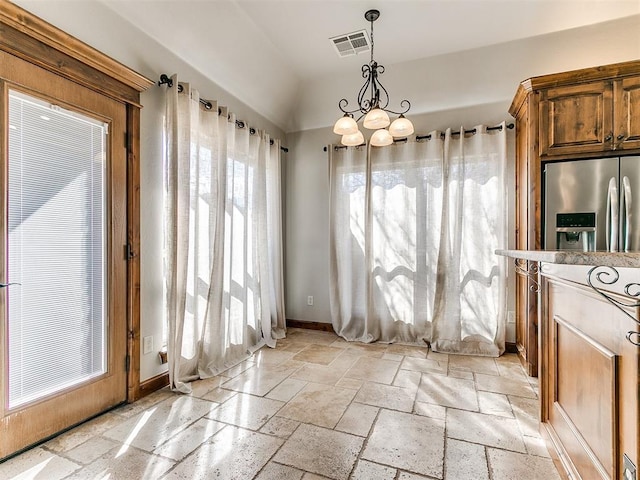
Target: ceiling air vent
<point>351,43</point>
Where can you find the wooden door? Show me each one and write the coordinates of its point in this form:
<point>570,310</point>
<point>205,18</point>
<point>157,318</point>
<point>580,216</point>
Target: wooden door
<point>63,244</point>
<point>627,113</point>
<point>576,119</point>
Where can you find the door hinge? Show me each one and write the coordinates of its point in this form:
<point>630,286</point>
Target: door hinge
<point>127,363</point>
<point>128,252</point>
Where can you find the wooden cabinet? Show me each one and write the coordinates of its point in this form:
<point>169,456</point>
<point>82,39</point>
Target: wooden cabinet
<point>589,113</point>
<point>627,113</point>
<point>588,380</point>
<point>576,119</point>
<point>590,118</point>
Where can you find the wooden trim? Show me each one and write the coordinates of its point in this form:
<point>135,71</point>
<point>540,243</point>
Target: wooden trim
<point>153,384</point>
<point>583,75</point>
<point>557,452</point>
<point>535,180</point>
<point>4,260</point>
<point>18,44</point>
<point>321,326</point>
<point>34,27</point>
<point>573,77</point>
<point>524,89</point>
<point>133,264</point>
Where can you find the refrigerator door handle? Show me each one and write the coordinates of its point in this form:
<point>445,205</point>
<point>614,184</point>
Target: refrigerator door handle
<point>611,232</point>
<point>625,214</point>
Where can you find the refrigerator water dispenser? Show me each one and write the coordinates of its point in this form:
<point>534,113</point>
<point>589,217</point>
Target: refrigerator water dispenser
<point>576,231</point>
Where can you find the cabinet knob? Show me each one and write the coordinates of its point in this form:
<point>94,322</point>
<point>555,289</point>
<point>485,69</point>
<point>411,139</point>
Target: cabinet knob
<point>608,138</point>
<point>621,136</point>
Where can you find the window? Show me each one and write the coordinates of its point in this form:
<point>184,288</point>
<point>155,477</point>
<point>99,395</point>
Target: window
<point>56,248</point>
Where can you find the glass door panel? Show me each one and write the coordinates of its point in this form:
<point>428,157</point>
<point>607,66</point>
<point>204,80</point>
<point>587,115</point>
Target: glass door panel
<point>56,248</point>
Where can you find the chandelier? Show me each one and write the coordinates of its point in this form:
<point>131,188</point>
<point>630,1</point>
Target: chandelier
<point>373,100</point>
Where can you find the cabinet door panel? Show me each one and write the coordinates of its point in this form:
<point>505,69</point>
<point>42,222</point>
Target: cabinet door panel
<point>576,119</point>
<point>586,382</point>
<point>627,113</point>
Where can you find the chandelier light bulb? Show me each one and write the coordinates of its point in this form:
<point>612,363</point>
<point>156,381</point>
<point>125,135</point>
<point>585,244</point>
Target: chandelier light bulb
<point>376,119</point>
<point>345,125</point>
<point>401,127</point>
<point>353,140</point>
<point>381,138</point>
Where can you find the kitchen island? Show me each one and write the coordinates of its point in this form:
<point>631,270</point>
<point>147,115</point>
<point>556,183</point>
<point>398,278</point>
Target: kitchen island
<point>589,354</point>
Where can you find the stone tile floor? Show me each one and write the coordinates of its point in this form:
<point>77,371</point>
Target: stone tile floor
<point>317,407</point>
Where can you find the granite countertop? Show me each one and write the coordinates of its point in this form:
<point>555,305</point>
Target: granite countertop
<point>569,257</point>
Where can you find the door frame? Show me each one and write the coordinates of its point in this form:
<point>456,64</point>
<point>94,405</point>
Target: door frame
<point>30,38</point>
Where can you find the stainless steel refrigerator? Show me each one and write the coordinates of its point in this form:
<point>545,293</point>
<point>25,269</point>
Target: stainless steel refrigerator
<point>592,205</point>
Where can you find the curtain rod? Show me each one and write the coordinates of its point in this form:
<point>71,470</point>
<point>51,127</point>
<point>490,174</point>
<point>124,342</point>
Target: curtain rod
<point>472,131</point>
<point>428,137</point>
<point>165,80</point>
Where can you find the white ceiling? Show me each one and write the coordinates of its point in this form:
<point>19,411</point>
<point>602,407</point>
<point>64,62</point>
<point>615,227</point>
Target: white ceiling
<point>295,33</point>
<point>267,52</point>
<point>262,51</point>
<point>411,30</point>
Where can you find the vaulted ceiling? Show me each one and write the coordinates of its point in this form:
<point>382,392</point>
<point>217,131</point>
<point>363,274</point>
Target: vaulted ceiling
<point>266,52</point>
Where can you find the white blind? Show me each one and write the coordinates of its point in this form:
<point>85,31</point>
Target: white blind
<point>56,248</point>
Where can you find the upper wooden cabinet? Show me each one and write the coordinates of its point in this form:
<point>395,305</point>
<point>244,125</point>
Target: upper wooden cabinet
<point>594,117</point>
<point>626,94</point>
<point>588,113</point>
<point>576,119</point>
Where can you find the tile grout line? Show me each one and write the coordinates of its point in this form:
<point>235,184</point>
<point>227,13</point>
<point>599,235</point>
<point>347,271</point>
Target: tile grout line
<point>286,434</point>
<point>276,452</point>
<point>364,444</point>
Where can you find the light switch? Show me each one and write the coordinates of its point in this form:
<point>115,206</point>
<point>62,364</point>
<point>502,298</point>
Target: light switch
<point>147,344</point>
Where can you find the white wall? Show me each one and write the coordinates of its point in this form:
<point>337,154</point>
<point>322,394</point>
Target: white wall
<point>104,30</point>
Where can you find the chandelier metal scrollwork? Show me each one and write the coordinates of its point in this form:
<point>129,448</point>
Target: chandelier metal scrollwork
<point>610,276</point>
<point>373,100</point>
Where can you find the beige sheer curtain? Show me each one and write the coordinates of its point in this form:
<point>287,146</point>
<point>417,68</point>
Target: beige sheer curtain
<point>413,231</point>
<point>223,251</point>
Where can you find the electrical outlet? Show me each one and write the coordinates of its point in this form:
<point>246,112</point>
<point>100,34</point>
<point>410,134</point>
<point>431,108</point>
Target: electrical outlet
<point>310,300</point>
<point>628,469</point>
<point>147,345</point>
<point>511,316</point>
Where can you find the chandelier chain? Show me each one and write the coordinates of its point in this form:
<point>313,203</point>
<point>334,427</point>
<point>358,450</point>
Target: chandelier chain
<point>372,20</point>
